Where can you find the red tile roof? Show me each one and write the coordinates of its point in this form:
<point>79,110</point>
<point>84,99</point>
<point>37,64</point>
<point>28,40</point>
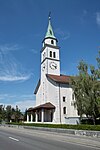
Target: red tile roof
<point>45,106</point>
<point>59,79</point>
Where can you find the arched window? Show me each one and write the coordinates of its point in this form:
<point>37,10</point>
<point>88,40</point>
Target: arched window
<point>54,55</point>
<point>64,110</point>
<point>50,53</point>
<point>52,42</point>
<point>64,98</point>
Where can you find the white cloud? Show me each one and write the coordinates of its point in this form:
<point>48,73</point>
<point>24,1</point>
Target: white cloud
<point>22,105</point>
<point>3,96</point>
<point>34,51</point>
<point>10,68</point>
<point>26,101</point>
<point>98,18</point>
<point>83,16</point>
<point>63,35</point>
<point>14,78</point>
<point>9,47</point>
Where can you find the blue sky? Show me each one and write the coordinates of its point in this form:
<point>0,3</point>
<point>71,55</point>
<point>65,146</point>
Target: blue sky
<point>23,24</point>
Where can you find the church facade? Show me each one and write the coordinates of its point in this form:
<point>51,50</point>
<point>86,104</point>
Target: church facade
<point>54,95</point>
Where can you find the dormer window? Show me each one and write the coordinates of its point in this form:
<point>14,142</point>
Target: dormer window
<point>50,32</point>
<point>52,42</point>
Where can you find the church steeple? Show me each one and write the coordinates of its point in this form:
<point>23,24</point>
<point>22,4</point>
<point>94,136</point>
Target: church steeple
<point>50,59</point>
<point>49,33</point>
<point>50,37</point>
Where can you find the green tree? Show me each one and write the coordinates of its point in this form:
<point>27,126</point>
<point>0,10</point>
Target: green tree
<point>8,113</point>
<point>2,113</point>
<point>17,114</point>
<point>86,87</point>
<point>25,115</point>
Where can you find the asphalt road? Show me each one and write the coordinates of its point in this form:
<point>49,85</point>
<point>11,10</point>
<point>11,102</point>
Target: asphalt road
<point>26,139</point>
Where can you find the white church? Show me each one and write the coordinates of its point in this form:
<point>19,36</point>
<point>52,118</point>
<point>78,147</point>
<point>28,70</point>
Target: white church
<point>54,95</point>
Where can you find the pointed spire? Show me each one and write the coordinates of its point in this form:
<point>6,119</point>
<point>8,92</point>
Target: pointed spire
<point>49,32</point>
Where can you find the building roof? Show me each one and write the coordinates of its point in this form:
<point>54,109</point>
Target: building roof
<point>45,106</point>
<point>36,89</point>
<point>59,79</point>
<point>50,33</point>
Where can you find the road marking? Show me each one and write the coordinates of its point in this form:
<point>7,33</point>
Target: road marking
<point>13,139</point>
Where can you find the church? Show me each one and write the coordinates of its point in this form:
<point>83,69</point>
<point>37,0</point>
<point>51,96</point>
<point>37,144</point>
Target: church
<point>54,95</point>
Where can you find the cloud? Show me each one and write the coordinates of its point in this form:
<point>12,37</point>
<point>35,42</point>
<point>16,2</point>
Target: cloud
<point>26,102</point>
<point>98,18</point>
<point>3,96</point>
<point>14,78</point>
<point>10,68</point>
<point>34,51</point>
<point>11,97</point>
<point>63,35</point>
<point>22,105</point>
<point>85,12</point>
<point>9,47</point>
<point>83,16</point>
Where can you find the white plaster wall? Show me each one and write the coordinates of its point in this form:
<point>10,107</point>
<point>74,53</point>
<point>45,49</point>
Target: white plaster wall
<point>48,41</point>
<point>39,96</point>
<point>71,111</point>
<point>53,50</point>
<point>53,97</point>
<point>46,53</point>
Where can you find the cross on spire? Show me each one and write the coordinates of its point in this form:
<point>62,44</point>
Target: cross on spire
<point>50,32</point>
<point>50,15</point>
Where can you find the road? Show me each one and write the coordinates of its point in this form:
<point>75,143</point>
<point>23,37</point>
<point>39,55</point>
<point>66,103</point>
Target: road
<point>28,139</point>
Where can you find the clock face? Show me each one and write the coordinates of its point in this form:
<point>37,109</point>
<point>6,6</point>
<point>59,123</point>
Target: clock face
<point>53,65</point>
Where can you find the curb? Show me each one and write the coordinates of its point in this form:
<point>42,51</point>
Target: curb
<point>59,130</point>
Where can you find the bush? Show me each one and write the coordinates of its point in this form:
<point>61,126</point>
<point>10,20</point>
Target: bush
<point>90,121</point>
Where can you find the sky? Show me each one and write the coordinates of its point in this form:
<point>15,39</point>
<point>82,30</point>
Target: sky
<point>23,24</point>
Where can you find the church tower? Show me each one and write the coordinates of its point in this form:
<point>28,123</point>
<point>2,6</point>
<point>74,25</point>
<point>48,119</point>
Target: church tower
<point>50,59</point>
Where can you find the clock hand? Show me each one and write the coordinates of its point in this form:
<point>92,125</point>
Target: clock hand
<point>54,66</point>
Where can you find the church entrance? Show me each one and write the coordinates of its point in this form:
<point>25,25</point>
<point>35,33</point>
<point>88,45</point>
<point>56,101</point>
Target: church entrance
<point>41,113</point>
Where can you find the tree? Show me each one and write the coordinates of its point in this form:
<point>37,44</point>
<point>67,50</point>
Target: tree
<point>8,113</point>
<point>2,113</point>
<point>17,114</point>
<point>25,115</point>
<point>86,87</point>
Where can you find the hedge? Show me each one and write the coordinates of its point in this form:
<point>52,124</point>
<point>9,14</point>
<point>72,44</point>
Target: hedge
<point>63,126</point>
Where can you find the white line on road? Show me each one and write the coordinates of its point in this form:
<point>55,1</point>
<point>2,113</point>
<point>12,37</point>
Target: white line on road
<point>13,139</point>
